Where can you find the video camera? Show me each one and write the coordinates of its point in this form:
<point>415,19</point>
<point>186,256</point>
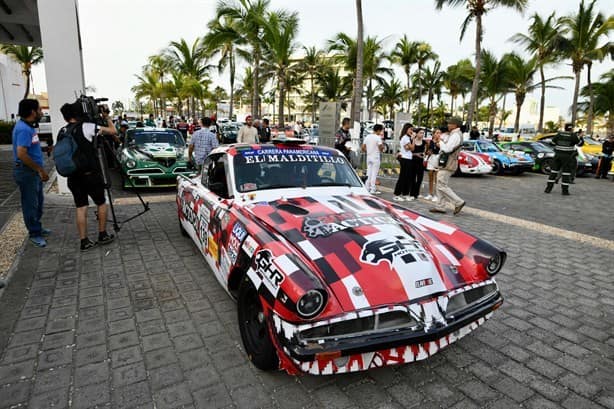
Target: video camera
<point>91,110</point>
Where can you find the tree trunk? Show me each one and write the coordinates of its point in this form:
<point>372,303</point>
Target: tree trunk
<point>492,114</point>
<point>313,101</point>
<point>357,94</point>
<point>255,73</point>
<point>542,100</point>
<point>452,98</point>
<point>231,64</point>
<point>502,112</point>
<point>478,66</point>
<point>429,100</point>
<point>591,101</point>
<point>419,119</point>
<point>408,73</point>
<point>27,74</point>
<point>464,106</point>
<point>519,102</point>
<point>369,98</point>
<point>282,87</point>
<point>576,90</point>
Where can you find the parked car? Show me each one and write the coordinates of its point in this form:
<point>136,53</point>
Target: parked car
<point>153,157</point>
<point>586,163</point>
<point>473,163</point>
<point>541,153</point>
<point>45,135</point>
<point>515,163</point>
<point>229,132</point>
<point>328,278</point>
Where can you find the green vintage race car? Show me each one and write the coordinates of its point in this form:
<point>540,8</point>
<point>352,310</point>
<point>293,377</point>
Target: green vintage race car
<point>153,157</point>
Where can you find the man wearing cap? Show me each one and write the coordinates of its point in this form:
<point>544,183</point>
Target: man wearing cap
<point>248,133</point>
<point>449,144</point>
<point>123,128</point>
<point>564,160</point>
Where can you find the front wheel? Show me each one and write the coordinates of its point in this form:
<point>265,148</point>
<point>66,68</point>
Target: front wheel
<point>546,166</point>
<point>254,329</point>
<point>497,168</point>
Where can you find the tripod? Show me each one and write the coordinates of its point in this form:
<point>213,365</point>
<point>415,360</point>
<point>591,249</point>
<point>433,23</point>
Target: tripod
<point>100,143</point>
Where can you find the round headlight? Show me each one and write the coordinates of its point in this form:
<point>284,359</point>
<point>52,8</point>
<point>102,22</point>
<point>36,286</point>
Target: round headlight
<point>540,155</point>
<point>130,163</point>
<point>495,264</point>
<point>310,304</point>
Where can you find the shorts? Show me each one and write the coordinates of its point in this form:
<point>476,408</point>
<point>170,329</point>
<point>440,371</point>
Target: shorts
<point>433,163</point>
<point>82,186</point>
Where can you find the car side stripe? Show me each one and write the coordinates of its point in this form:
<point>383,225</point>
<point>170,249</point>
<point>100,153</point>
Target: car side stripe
<point>432,224</point>
<point>444,250</point>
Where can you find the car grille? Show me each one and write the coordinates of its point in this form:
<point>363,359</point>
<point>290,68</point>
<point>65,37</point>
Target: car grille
<point>380,322</point>
<point>150,171</point>
<point>468,299</point>
<point>181,170</point>
<point>167,162</point>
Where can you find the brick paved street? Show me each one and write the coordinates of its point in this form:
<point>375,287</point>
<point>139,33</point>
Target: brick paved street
<point>143,323</point>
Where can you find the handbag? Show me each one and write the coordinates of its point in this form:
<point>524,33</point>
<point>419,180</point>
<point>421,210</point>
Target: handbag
<point>443,159</point>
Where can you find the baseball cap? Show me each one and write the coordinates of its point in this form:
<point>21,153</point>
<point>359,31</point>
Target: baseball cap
<point>249,117</point>
<point>455,120</point>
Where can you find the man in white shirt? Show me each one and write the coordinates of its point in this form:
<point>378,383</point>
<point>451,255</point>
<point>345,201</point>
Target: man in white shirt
<point>373,145</point>
<point>248,133</point>
<point>450,144</point>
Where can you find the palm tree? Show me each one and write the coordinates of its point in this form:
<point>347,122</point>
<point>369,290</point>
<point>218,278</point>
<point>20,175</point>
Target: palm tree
<point>477,9</point>
<point>279,38</point>
<point>117,106</point>
<point>161,64</point>
<point>457,80</point>
<point>584,31</point>
<point>357,93</point>
<point>148,87</point>
<point>542,40</point>
<point>424,53</point>
<point>391,94</point>
<point>25,56</point>
<point>310,64</point>
<point>603,94</point>
<point>494,82</point>
<point>332,85</point>
<point>432,80</point>
<point>405,54</point>
<point>224,40</point>
<point>249,17</point>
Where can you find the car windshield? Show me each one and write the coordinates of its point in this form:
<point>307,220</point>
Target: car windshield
<point>273,168</point>
<point>540,147</point>
<point>143,137</point>
<point>486,146</point>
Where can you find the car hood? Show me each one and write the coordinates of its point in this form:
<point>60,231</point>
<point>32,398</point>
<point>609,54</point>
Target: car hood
<point>159,150</point>
<point>362,249</point>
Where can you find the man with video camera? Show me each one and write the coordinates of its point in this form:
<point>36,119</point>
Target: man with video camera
<point>87,180</point>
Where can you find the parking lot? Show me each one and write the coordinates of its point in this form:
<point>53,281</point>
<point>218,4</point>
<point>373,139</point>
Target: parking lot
<point>143,322</point>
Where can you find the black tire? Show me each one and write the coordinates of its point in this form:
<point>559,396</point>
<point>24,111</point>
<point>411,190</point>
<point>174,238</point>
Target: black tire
<point>546,166</point>
<point>254,329</point>
<point>184,233</point>
<point>497,168</point>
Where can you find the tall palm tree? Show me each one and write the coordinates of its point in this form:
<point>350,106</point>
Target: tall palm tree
<point>424,53</point>
<point>249,15</point>
<point>280,39</point>
<point>542,40</point>
<point>357,93</point>
<point>224,41</point>
<point>405,54</point>
<point>494,82</point>
<point>432,80</point>
<point>584,31</point>
<point>25,56</point>
<point>148,86</point>
<point>332,85</point>
<point>161,64</point>
<point>476,10</point>
<point>603,93</point>
<point>458,79</point>
<point>310,64</point>
<point>391,95</point>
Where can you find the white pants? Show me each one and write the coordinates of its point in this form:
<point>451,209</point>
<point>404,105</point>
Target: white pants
<point>445,194</point>
<point>372,171</point>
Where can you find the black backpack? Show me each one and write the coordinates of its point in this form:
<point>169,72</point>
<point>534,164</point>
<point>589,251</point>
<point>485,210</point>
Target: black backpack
<point>73,153</point>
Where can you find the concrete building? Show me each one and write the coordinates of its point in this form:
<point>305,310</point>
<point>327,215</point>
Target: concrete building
<point>12,87</point>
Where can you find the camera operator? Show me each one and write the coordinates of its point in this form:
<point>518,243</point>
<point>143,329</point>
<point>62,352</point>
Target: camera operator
<point>88,180</point>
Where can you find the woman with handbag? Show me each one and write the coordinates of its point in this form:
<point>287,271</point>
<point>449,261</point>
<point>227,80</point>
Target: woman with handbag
<point>401,189</point>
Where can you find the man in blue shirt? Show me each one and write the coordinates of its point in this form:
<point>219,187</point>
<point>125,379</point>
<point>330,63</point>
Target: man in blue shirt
<point>202,143</point>
<point>28,169</point>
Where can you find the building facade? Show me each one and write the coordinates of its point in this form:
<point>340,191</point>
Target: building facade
<point>12,87</point>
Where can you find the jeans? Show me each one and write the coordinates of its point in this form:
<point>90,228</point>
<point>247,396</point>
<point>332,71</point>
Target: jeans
<point>31,188</point>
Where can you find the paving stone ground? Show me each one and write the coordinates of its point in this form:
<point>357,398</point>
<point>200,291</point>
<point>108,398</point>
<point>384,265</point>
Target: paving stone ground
<point>143,323</point>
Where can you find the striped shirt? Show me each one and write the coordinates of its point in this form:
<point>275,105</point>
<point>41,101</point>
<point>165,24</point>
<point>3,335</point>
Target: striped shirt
<point>204,141</point>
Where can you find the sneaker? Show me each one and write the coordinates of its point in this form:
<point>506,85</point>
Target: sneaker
<point>45,232</point>
<point>428,197</point>
<point>458,208</point>
<point>409,198</point>
<point>87,244</point>
<point>38,241</point>
<point>377,192</point>
<point>437,210</point>
<point>435,199</point>
<point>105,238</point>
<point>398,199</point>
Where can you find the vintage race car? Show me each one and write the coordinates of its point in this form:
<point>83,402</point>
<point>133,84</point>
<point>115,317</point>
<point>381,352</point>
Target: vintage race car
<point>473,163</point>
<point>328,278</point>
<point>516,162</point>
<point>153,157</point>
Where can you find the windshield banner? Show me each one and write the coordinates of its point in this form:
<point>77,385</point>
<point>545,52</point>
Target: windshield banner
<point>274,155</point>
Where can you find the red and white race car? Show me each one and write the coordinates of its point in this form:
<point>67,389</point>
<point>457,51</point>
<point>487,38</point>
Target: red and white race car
<point>473,163</point>
<point>328,278</point>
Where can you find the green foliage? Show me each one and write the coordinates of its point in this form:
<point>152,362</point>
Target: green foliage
<point>6,132</point>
